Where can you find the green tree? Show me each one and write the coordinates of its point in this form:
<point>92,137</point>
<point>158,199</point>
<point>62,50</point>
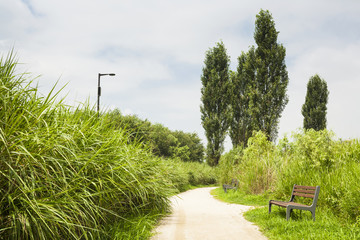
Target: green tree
<point>162,141</point>
<point>215,108</point>
<point>138,129</point>
<point>314,108</point>
<point>193,143</point>
<point>260,84</point>
<point>240,126</point>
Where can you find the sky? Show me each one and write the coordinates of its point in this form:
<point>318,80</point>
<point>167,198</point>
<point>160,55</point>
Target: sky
<point>157,49</point>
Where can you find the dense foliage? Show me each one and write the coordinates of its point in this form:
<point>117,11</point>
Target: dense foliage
<point>314,108</point>
<point>310,158</point>
<point>241,122</point>
<point>68,174</point>
<point>215,97</point>
<point>162,141</point>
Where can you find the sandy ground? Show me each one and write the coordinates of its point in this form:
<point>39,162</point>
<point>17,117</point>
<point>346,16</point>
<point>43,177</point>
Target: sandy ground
<point>198,216</point>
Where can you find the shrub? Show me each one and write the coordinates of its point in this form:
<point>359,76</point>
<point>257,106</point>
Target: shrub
<point>229,164</point>
<point>253,166</point>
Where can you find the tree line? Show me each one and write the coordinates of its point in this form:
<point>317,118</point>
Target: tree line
<point>162,141</point>
<point>253,97</point>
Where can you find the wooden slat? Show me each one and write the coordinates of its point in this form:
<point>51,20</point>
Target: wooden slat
<point>297,204</point>
<point>305,187</point>
<point>304,195</point>
<point>279,203</point>
<point>285,204</point>
<point>304,191</point>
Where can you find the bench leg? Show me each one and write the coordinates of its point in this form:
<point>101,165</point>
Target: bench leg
<point>269,207</point>
<point>313,215</point>
<point>288,212</point>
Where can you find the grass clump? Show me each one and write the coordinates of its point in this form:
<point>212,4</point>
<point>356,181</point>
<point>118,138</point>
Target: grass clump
<point>66,173</point>
<point>135,227</point>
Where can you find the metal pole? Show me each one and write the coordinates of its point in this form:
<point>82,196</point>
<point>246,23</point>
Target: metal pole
<point>98,94</point>
<point>99,89</point>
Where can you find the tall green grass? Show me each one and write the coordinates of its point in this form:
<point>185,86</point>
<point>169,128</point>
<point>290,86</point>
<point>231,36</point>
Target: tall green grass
<point>308,158</point>
<point>186,175</point>
<point>66,173</point>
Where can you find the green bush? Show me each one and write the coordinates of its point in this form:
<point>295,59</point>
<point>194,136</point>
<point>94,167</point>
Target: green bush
<point>253,166</point>
<point>228,165</point>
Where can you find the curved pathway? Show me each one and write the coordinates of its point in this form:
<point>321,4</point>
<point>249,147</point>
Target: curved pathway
<point>197,215</point>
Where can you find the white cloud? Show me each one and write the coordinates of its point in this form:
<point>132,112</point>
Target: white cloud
<point>157,48</point>
<point>339,68</point>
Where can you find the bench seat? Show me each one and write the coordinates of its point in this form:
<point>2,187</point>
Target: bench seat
<point>285,204</point>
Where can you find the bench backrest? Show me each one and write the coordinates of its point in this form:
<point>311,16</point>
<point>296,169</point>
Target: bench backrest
<point>235,182</point>
<point>307,192</point>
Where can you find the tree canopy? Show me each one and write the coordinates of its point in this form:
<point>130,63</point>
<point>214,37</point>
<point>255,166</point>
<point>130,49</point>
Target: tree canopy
<point>314,108</point>
<point>215,97</point>
<point>260,84</point>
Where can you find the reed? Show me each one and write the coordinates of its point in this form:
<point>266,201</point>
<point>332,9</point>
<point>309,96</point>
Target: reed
<point>66,173</point>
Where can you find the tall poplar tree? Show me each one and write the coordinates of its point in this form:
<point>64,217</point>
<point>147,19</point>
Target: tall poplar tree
<point>215,108</point>
<point>263,81</point>
<point>241,126</point>
<point>314,108</point>
<point>269,97</point>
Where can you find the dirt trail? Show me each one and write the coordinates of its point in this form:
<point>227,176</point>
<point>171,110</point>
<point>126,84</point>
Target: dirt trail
<point>198,216</point>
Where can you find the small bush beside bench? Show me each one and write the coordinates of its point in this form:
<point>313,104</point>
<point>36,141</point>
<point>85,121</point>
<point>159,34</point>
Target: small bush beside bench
<point>300,191</point>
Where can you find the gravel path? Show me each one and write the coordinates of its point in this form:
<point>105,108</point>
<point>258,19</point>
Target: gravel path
<point>198,216</point>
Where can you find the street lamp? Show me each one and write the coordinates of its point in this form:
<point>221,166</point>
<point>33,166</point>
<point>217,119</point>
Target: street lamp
<point>99,88</point>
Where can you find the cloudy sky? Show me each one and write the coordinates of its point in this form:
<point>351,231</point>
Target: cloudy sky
<point>157,49</point>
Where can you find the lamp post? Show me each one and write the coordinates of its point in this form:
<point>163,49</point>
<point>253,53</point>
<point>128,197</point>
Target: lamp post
<point>99,88</point>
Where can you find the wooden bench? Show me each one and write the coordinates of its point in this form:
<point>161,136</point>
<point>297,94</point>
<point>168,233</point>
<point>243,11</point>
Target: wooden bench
<point>234,185</point>
<point>299,191</point>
